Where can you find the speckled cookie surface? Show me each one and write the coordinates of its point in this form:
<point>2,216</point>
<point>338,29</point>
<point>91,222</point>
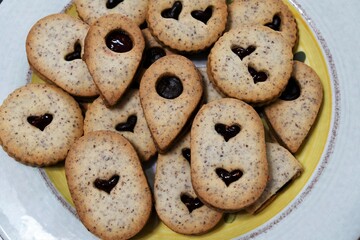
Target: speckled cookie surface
<point>39,123</point>
<point>54,47</point>
<point>251,63</point>
<point>187,25</point>
<point>113,51</point>
<point>228,154</point>
<point>283,168</point>
<point>107,185</point>
<point>91,10</point>
<point>126,118</point>
<point>294,113</point>
<point>272,13</point>
<point>170,91</point>
<point>175,200</point>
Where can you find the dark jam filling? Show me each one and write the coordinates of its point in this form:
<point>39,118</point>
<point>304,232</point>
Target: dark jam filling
<point>226,131</point>
<point>169,87</point>
<point>41,122</point>
<point>118,41</point>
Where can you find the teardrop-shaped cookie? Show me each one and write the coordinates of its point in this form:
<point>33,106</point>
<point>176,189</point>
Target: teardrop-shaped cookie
<point>175,200</point>
<point>293,114</point>
<point>229,170</point>
<point>170,92</point>
<point>108,186</point>
<point>113,51</point>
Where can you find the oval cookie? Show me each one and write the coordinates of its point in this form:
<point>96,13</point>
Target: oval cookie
<point>107,185</point>
<point>229,170</point>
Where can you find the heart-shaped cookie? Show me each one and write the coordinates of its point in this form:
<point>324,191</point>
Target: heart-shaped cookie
<point>293,114</point>
<point>170,91</point>
<point>113,51</point>
<point>54,47</point>
<point>107,185</point>
<point>228,174</point>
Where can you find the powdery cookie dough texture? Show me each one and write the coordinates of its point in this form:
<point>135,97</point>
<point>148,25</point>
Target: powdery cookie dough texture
<point>39,123</point>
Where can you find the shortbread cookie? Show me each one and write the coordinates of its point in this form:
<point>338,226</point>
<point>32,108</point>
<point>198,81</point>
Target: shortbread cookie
<point>187,25</point>
<point>91,10</point>
<point>271,13</point>
<point>113,51</point>
<point>39,123</point>
<point>229,170</point>
<point>175,200</point>
<point>170,91</point>
<point>54,48</point>
<point>251,63</point>
<point>126,118</point>
<point>283,169</point>
<point>293,114</point>
<point>210,92</point>
<point>107,185</point>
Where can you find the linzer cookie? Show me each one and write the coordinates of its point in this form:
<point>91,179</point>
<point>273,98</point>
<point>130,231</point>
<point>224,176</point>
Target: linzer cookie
<point>170,91</point>
<point>251,63</point>
<point>283,169</point>
<point>187,25</point>
<point>113,51</point>
<point>107,185</point>
<point>54,48</point>
<point>293,114</point>
<point>39,123</point>
<point>175,200</point>
<point>126,118</point>
<point>271,13</point>
<point>229,169</point>
<point>91,10</point>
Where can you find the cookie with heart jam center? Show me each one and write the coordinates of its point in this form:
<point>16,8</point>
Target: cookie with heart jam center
<point>228,155</point>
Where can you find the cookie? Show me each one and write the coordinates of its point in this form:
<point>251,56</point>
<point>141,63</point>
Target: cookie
<point>113,51</point>
<point>126,118</point>
<point>91,10</point>
<point>107,185</point>
<point>271,13</point>
<point>175,200</point>
<point>293,114</point>
<point>229,168</point>
<point>39,123</point>
<point>283,169</point>
<point>187,26</point>
<point>170,91</point>
<point>210,92</point>
<point>251,63</point>
<point>54,48</point>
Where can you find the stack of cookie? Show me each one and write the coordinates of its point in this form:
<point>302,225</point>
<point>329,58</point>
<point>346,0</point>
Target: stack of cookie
<point>144,100</point>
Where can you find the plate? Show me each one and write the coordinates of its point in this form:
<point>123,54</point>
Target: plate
<point>35,204</point>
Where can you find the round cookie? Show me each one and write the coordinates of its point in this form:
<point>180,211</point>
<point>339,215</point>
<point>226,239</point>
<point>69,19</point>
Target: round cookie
<point>271,13</point>
<point>175,200</point>
<point>113,51</point>
<point>229,168</point>
<point>108,186</point>
<point>251,63</point>
<point>126,118</point>
<point>187,25</point>
<point>293,114</point>
<point>54,48</point>
<point>91,10</point>
<point>39,123</point>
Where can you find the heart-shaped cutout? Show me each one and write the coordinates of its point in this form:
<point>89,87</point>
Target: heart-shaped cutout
<point>226,131</point>
<point>40,121</point>
<point>257,76</point>
<point>127,126</point>
<point>107,185</point>
<point>76,54</point>
<point>110,4</point>
<point>243,52</point>
<point>275,24</point>
<point>202,16</point>
<point>186,154</point>
<point>292,90</point>
<point>173,12</point>
<point>190,202</point>
<point>228,177</point>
